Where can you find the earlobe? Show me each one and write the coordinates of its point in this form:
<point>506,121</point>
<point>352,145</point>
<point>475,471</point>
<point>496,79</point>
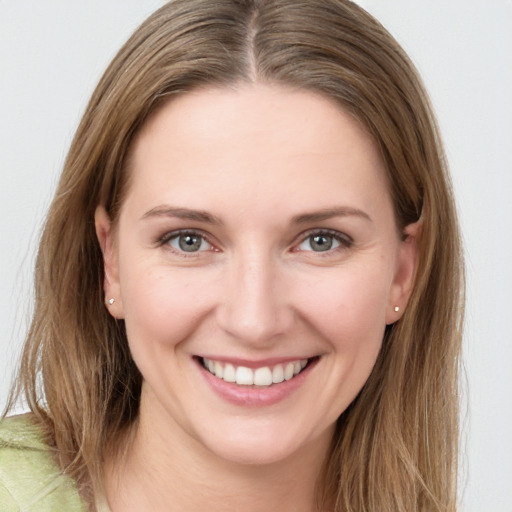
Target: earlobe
<point>403,282</point>
<point>111,286</point>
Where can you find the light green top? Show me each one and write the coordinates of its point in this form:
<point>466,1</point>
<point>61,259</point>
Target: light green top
<point>30,480</point>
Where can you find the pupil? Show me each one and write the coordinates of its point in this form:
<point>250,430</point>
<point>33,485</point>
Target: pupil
<point>190,243</point>
<point>321,243</point>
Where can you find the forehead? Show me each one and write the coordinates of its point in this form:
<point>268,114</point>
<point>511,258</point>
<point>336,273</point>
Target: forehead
<point>256,141</point>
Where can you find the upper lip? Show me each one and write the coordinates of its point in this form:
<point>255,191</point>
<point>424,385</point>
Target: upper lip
<point>251,363</point>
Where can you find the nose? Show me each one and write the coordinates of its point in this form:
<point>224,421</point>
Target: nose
<point>254,308</point>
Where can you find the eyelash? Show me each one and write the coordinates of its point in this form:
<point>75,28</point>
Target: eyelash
<point>167,237</point>
<point>344,240</point>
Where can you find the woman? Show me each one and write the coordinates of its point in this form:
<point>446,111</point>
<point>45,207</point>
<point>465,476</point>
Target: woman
<point>249,284</point>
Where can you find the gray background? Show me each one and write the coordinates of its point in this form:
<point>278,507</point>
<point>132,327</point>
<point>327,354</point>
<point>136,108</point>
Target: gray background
<point>52,54</point>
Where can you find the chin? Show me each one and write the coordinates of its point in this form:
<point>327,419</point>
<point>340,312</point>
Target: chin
<point>263,445</point>
<point>256,455</point>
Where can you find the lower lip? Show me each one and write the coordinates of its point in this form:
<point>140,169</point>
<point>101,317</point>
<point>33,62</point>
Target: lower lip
<point>256,396</point>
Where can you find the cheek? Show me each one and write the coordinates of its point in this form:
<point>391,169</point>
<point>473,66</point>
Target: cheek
<point>162,306</point>
<point>345,308</point>
<point>348,307</point>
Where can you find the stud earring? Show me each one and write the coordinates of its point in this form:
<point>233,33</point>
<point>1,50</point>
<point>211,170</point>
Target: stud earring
<point>397,309</point>
<point>111,301</point>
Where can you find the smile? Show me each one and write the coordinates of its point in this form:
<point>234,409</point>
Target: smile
<point>264,376</point>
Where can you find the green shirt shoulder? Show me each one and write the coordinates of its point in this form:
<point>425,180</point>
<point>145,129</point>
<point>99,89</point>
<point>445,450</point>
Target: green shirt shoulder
<point>30,480</point>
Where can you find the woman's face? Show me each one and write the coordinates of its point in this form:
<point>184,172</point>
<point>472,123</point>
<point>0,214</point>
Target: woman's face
<point>256,263</point>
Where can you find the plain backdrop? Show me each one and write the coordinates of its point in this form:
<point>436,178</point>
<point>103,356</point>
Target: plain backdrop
<point>51,56</point>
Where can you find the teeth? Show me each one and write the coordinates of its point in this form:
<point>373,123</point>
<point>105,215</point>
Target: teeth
<point>244,376</point>
<point>264,376</point>
<point>277,374</point>
<point>229,373</point>
<point>288,371</point>
<point>219,371</point>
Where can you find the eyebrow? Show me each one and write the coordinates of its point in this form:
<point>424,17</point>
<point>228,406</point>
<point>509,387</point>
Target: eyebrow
<point>329,213</point>
<point>182,213</point>
<point>208,218</point>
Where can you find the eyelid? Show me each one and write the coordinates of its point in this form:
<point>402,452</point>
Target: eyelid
<point>345,240</point>
<point>169,235</point>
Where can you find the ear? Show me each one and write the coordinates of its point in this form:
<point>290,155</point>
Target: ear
<point>403,281</point>
<point>111,285</point>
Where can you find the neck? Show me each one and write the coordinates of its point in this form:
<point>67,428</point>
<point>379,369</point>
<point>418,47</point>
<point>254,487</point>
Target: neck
<point>164,468</point>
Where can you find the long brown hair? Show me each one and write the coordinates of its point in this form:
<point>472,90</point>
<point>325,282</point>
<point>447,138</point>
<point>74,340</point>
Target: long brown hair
<point>396,445</point>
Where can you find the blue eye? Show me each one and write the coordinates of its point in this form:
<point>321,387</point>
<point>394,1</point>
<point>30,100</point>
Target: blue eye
<point>187,242</point>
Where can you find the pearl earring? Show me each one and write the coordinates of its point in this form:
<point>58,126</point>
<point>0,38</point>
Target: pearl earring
<point>397,309</point>
<point>111,301</point>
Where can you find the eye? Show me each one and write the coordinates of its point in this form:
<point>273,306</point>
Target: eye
<point>187,241</point>
<point>323,241</point>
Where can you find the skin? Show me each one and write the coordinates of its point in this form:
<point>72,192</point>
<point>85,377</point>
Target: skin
<point>254,157</point>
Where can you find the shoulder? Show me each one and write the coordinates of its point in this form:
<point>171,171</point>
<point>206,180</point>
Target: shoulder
<point>29,476</point>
